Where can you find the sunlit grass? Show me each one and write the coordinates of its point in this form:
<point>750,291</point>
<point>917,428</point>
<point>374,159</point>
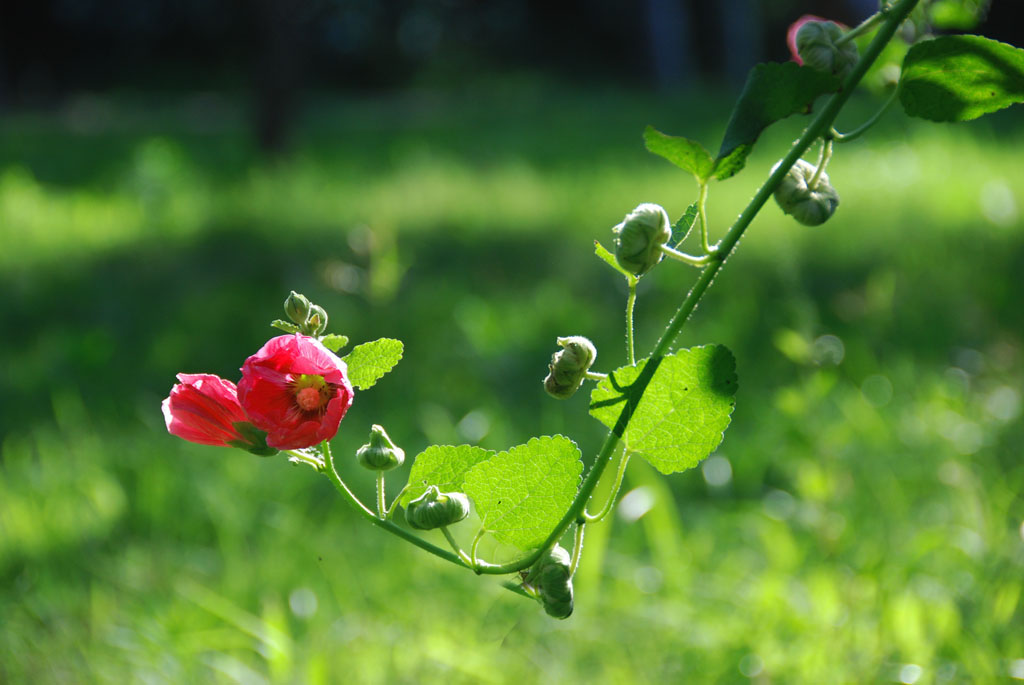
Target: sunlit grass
<point>421,178</point>
<point>862,521</point>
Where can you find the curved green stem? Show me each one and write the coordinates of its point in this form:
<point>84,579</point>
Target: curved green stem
<point>595,376</point>
<point>860,130</point>
<point>303,457</point>
<point>826,154</point>
<point>577,549</point>
<point>364,511</point>
<point>630,303</point>
<point>686,258</point>
<point>518,589</point>
<point>394,504</point>
<point>476,563</point>
<point>339,484</point>
<point>455,546</point>
<point>593,518</point>
<point>702,215</point>
<point>817,128</point>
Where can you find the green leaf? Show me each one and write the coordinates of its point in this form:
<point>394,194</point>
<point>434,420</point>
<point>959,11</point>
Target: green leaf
<point>682,228</point>
<point>334,342</point>
<point>284,326</point>
<point>688,155</point>
<point>773,92</point>
<point>444,466</point>
<point>959,78</point>
<point>368,362</point>
<point>686,408</point>
<point>521,494</point>
<point>609,259</point>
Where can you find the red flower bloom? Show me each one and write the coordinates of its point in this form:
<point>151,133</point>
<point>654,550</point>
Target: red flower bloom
<point>296,390</point>
<point>204,408</point>
<point>791,35</point>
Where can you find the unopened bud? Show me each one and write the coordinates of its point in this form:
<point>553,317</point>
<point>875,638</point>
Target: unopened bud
<point>638,239</point>
<point>380,454</point>
<point>296,308</point>
<point>816,45</point>
<point>808,205</point>
<point>317,322</point>
<point>551,576</point>
<point>569,366</point>
<point>436,509</point>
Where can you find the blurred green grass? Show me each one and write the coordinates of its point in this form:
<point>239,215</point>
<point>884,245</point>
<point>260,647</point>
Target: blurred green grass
<point>862,519</point>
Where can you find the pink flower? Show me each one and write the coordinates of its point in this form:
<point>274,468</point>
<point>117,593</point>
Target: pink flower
<point>204,408</point>
<point>791,35</point>
<point>296,390</point>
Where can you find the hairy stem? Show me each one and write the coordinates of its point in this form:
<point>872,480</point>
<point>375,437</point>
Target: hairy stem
<point>865,25</point>
<point>517,588</point>
<point>455,546</point>
<point>860,130</point>
<point>472,548</point>
<point>630,303</point>
<point>577,549</point>
<point>381,506</point>
<point>817,128</point>
<point>686,258</point>
<point>394,505</point>
<point>593,518</point>
<point>702,214</point>
<point>303,457</point>
<point>826,154</point>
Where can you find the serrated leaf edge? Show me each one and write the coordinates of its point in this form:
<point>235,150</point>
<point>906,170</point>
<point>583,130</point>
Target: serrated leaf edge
<point>401,355</point>
<point>579,475</point>
<point>728,415</point>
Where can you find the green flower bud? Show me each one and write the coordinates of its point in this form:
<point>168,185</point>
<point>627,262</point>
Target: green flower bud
<point>569,366</point>
<point>815,42</point>
<point>638,239</point>
<point>296,308</point>
<point>552,578</point>
<point>380,454</point>
<point>317,322</point>
<point>809,206</point>
<point>435,509</point>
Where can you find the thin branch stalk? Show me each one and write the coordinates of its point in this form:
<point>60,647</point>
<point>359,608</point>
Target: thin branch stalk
<point>826,154</point>
<point>382,511</point>
<point>593,518</point>
<point>863,128</point>
<point>630,303</point>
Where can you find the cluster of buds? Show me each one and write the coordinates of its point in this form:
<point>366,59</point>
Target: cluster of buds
<point>569,366</point>
<point>809,201</point>
<point>551,580</point>
<point>309,319</point>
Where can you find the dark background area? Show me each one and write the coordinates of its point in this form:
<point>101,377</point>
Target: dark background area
<point>278,49</point>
